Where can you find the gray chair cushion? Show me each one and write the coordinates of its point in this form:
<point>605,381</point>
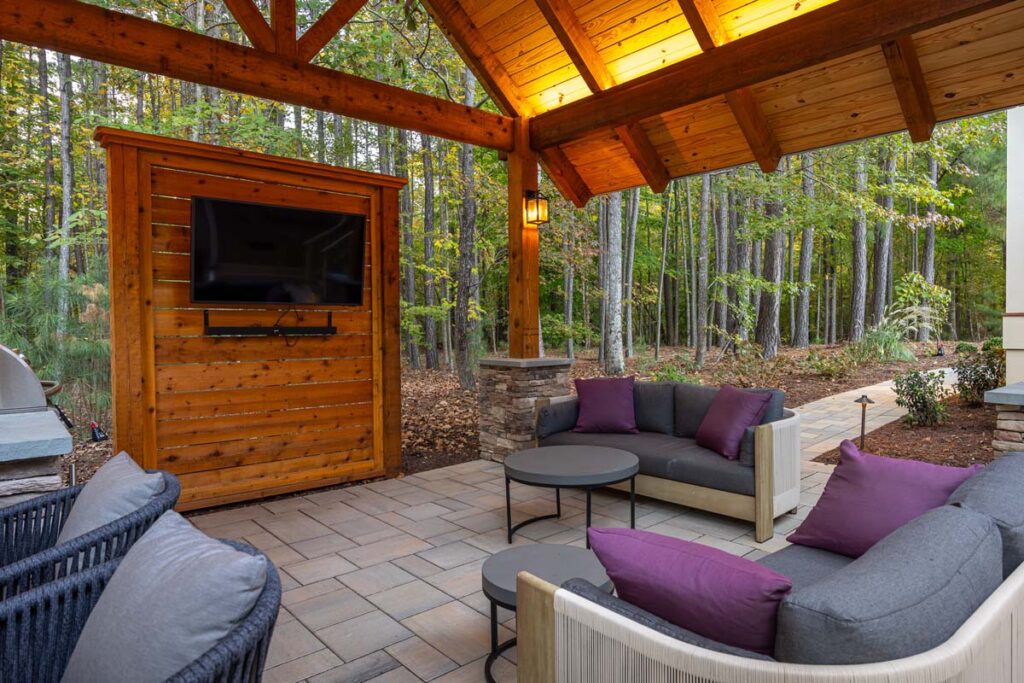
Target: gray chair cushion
<point>176,594</point>
<point>692,402</point>
<point>654,406</point>
<point>997,491</point>
<point>558,416</point>
<point>803,565</point>
<point>118,488</point>
<point>907,594</point>
<point>587,590</point>
<point>669,457</point>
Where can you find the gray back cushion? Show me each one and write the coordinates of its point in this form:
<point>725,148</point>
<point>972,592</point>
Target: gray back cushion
<point>998,491</point>
<point>176,594</point>
<point>907,594</point>
<point>692,402</point>
<point>654,406</point>
<point>558,416</point>
<point>118,488</point>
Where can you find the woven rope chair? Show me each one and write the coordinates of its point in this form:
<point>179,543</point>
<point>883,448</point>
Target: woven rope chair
<point>40,628</point>
<point>30,556</point>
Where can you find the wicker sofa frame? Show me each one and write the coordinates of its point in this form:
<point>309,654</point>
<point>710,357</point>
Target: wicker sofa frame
<point>40,628</point>
<point>30,556</point>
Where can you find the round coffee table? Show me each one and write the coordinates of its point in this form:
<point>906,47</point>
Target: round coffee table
<point>558,467</point>
<point>555,564</point>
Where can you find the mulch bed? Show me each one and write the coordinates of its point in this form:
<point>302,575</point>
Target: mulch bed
<point>964,439</point>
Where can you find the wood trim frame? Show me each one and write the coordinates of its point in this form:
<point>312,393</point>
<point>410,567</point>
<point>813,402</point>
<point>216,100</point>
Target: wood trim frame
<point>535,626</point>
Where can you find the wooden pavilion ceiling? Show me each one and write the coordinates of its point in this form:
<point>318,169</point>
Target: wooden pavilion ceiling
<point>615,93</point>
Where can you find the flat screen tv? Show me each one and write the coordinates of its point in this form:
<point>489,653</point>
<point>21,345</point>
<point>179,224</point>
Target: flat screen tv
<point>261,254</point>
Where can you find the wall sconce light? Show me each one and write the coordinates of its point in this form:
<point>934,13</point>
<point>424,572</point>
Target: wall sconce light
<point>864,402</point>
<point>536,207</point>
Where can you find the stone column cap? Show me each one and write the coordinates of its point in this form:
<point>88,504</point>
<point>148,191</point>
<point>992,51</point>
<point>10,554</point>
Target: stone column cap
<point>495,362</point>
<point>1012,395</point>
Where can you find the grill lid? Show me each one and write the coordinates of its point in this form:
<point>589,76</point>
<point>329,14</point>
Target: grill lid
<point>20,390</point>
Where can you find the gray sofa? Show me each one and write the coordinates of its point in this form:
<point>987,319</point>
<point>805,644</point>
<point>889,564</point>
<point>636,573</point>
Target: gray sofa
<point>939,599</point>
<point>761,485</point>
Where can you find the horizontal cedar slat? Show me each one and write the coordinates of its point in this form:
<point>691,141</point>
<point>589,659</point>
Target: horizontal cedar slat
<point>189,322</point>
<point>267,423</point>
<point>172,238</point>
<point>179,406</point>
<point>252,374</point>
<point>172,211</point>
<point>226,454</point>
<point>214,349</point>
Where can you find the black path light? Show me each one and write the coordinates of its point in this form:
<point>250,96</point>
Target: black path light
<point>864,402</point>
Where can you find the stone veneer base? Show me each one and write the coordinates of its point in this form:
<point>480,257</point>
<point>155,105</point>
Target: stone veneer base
<point>1008,436</point>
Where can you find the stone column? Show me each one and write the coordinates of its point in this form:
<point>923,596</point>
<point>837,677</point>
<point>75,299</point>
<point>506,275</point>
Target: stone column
<point>509,388</point>
<point>1013,321</point>
<point>1009,401</point>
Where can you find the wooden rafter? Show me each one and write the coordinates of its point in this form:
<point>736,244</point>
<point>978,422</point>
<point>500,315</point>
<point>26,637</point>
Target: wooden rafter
<point>251,20</point>
<point>114,37</point>
<point>581,50</point>
<point>707,28</point>
<point>465,38</point>
<point>831,32</point>
<point>911,88</point>
<point>326,27</point>
<point>282,23</point>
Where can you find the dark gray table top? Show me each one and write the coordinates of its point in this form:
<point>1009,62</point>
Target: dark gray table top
<point>554,563</point>
<point>571,466</point>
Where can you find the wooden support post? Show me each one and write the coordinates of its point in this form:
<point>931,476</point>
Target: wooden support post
<point>523,252</point>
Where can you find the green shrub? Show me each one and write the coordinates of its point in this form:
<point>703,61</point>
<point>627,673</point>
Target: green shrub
<point>676,373</point>
<point>992,344</point>
<point>886,343</point>
<point>839,365</point>
<point>978,372</point>
<point>921,394</point>
<point>965,347</point>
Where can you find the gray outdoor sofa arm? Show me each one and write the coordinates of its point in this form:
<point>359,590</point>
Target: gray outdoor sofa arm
<point>33,525</point>
<point>556,415</point>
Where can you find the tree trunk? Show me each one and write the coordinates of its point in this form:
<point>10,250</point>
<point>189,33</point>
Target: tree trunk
<point>465,320</point>
<point>297,114</point>
<point>721,263</point>
<point>680,270</point>
<point>49,203</point>
<point>803,310</point>
<point>665,206</point>
<point>429,289</point>
<point>860,256</point>
<point>743,248</point>
<point>691,319</point>
<point>614,361</point>
<point>701,320</point>
<point>928,258</point>
<point>321,138</point>
<point>883,244</point>
<point>767,335</point>
<point>67,174</point>
<point>633,209</point>
<point>409,269</point>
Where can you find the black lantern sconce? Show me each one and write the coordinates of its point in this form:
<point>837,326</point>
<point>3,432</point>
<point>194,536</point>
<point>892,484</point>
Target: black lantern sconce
<point>864,402</point>
<point>536,206</point>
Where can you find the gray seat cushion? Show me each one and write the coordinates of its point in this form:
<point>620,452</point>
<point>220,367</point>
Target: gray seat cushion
<point>118,488</point>
<point>907,594</point>
<point>654,406</point>
<point>587,590</point>
<point>176,594</point>
<point>803,565</point>
<point>997,491</point>
<point>669,457</point>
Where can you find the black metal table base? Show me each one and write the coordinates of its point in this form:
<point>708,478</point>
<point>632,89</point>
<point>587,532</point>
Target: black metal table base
<point>496,649</point>
<point>558,506</point>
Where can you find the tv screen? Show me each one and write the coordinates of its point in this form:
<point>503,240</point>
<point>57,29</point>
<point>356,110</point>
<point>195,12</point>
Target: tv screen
<point>257,253</point>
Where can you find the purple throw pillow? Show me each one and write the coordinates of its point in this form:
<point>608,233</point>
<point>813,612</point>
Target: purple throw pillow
<point>732,411</point>
<point>703,589</point>
<point>868,497</point>
<point>606,405</point>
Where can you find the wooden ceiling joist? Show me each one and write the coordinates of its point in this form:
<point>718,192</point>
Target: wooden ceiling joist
<point>911,88</point>
<point>591,66</point>
<point>831,32</point>
<point>564,175</point>
<point>252,23</point>
<point>326,27</point>
<point>707,28</point>
<point>96,33</point>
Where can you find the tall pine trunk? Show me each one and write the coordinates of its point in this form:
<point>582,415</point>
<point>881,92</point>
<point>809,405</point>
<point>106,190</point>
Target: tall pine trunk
<point>614,362</point>
<point>568,282</point>
<point>633,209</point>
<point>767,335</point>
<point>859,297</point>
<point>465,321</point>
<point>67,184</point>
<point>883,243</point>
<point>405,217</point>
<point>429,288</point>
<point>49,203</point>
<point>928,258</point>
<point>665,206</point>
<point>803,309</point>
<point>701,318</point>
<point>721,295</point>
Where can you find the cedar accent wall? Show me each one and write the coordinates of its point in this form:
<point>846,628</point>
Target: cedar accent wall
<point>238,418</point>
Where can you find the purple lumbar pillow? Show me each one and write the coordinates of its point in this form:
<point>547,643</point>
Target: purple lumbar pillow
<point>702,589</point>
<point>868,497</point>
<point>606,405</point>
<point>732,411</point>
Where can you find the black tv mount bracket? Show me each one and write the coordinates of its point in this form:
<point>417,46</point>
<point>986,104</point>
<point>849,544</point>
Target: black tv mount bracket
<point>273,331</point>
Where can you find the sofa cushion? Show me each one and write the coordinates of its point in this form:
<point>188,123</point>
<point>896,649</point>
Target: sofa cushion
<point>589,591</point>
<point>558,416</point>
<point>996,491</point>
<point>606,405</point>
<point>868,497</point>
<point>692,402</point>
<point>669,457</point>
<point>803,565</point>
<point>654,406</point>
<point>703,589</point>
<point>732,411</point>
<point>175,595</point>
<point>118,488</point>
<point>906,595</point>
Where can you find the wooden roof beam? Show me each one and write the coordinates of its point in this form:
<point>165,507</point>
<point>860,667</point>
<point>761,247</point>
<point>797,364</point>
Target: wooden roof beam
<point>581,50</point>
<point>252,23</point>
<point>565,177</point>
<point>837,30</point>
<point>911,87</point>
<point>96,33</point>
<point>707,28</point>
<point>282,23</point>
<point>326,27</point>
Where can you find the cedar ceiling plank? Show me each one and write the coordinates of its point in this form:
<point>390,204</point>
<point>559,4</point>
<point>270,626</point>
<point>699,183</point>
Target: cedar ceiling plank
<point>831,32</point>
<point>911,88</point>
<point>326,27</point>
<point>282,23</point>
<point>565,176</point>
<point>707,28</point>
<point>251,20</point>
<point>580,48</point>
<point>121,39</point>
